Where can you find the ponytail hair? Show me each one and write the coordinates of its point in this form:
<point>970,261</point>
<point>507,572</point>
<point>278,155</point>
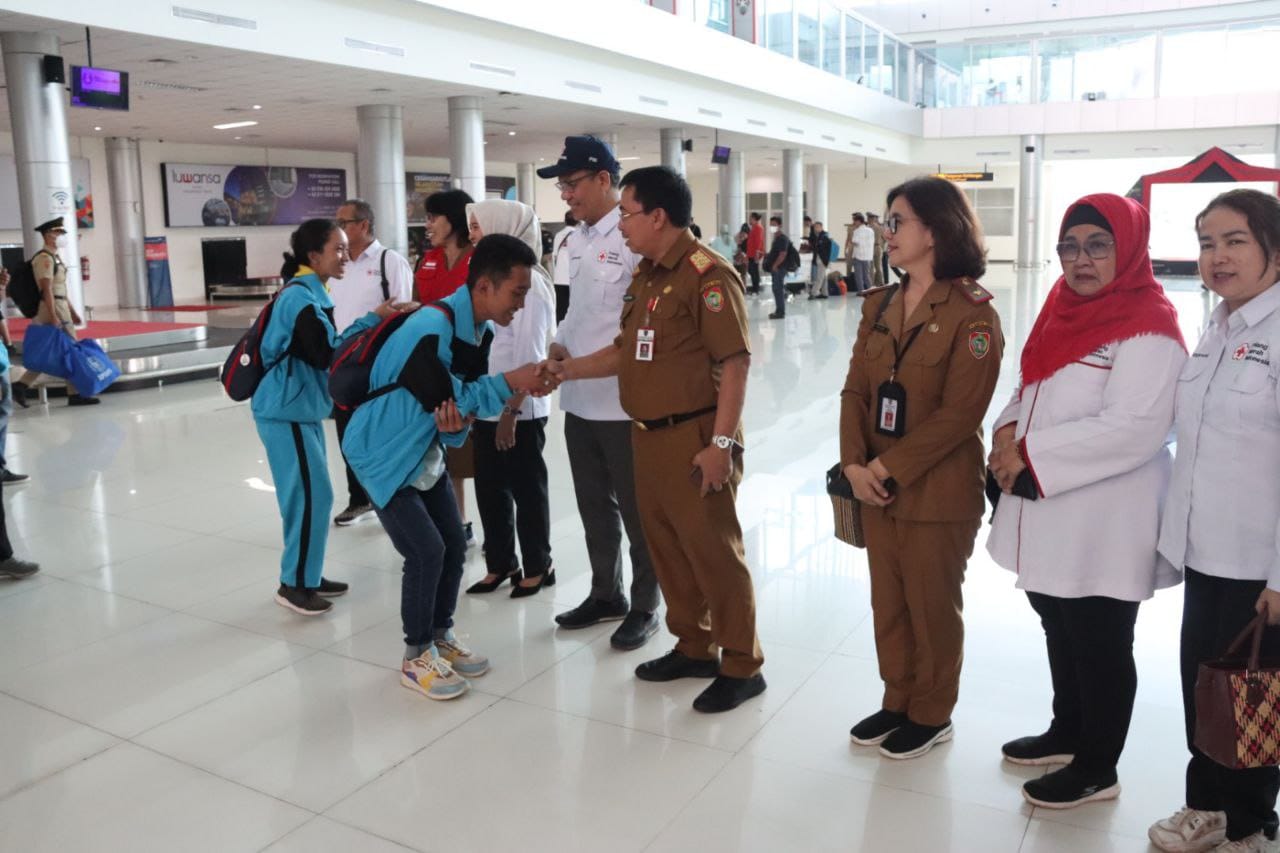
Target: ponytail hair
<point>311,236</point>
<point>290,267</point>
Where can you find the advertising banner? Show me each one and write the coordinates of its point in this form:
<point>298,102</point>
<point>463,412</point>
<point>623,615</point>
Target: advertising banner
<point>81,204</point>
<point>417,186</point>
<point>218,196</point>
<point>159,285</point>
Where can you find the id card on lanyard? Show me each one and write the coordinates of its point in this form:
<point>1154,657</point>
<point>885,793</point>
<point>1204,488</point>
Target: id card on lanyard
<point>645,336</point>
<point>891,397</point>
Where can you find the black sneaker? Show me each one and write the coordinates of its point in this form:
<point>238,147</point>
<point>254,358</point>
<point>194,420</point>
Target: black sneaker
<point>634,631</point>
<point>10,477</point>
<point>20,391</point>
<point>593,611</point>
<point>726,693</point>
<point>332,589</point>
<point>874,729</point>
<point>674,665</point>
<point>299,599</point>
<point>17,569</point>
<point>911,740</point>
<point>1038,750</point>
<point>81,400</point>
<point>776,316</point>
<point>354,514</point>
<point>1067,788</point>
<point>469,534</point>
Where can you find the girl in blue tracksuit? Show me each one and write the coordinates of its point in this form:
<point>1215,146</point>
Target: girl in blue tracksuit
<point>292,401</point>
<point>395,444</point>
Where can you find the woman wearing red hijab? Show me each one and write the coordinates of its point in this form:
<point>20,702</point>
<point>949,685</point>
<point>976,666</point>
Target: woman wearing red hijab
<point>1081,459</point>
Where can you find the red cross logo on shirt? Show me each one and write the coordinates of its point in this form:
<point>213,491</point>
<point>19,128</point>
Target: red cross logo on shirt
<point>600,257</point>
<point>1241,352</point>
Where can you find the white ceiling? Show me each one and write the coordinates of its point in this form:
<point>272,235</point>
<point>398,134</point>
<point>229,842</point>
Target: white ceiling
<point>312,105</point>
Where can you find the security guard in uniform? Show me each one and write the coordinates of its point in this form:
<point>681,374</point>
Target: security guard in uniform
<point>681,361</point>
<point>924,368</point>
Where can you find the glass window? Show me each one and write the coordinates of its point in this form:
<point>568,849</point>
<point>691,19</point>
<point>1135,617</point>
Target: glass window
<point>778,30</point>
<point>994,207</point>
<point>882,69</point>
<point>871,38</point>
<point>902,74</point>
<point>1221,60</point>
<point>831,47</point>
<point>951,59</point>
<point>807,27</point>
<point>853,69</point>
<point>926,79</point>
<point>1095,68</point>
<point>998,74</point>
<point>718,15</point>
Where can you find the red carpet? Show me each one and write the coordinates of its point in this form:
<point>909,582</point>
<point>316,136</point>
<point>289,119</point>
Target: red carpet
<point>108,328</point>
<point>193,308</point>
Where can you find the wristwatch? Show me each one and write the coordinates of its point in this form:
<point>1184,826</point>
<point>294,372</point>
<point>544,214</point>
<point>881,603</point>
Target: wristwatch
<point>723,442</point>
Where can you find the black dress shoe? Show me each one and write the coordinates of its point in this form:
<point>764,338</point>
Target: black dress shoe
<point>776,316</point>
<point>332,589</point>
<point>10,478</point>
<point>82,400</point>
<point>674,665</point>
<point>483,586</point>
<point>634,631</point>
<point>547,578</point>
<point>20,391</point>
<point>727,693</point>
<point>593,611</point>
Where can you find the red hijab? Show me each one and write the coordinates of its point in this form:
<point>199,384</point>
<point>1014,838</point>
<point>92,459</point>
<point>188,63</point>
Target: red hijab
<point>1070,326</point>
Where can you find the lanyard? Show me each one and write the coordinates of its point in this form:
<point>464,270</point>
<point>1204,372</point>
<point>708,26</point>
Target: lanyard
<point>899,353</point>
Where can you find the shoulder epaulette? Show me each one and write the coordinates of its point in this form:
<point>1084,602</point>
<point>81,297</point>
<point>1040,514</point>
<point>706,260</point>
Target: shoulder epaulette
<point>701,261</point>
<point>974,292</point>
<point>871,291</point>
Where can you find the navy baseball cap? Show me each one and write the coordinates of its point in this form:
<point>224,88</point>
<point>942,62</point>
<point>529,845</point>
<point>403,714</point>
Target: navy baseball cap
<point>582,152</point>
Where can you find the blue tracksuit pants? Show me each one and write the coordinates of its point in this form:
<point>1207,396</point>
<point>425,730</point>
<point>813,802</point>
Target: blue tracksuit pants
<point>296,454</point>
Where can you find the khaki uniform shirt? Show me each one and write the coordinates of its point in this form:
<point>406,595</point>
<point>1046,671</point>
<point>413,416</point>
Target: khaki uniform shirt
<point>49,266</point>
<point>693,301</point>
<point>949,374</point>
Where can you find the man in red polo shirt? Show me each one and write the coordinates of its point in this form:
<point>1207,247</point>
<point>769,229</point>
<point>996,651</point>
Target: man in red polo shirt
<point>755,251</point>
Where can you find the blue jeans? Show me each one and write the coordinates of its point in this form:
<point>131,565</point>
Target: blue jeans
<point>779,291</point>
<point>426,530</point>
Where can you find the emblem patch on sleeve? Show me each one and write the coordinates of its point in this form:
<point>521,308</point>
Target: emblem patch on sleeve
<point>701,261</point>
<point>979,344</point>
<point>713,298</point>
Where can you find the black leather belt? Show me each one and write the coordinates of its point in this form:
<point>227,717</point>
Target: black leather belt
<point>672,420</point>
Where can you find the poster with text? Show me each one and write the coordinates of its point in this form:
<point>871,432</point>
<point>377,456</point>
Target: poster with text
<point>219,196</point>
<point>82,195</point>
<point>417,186</point>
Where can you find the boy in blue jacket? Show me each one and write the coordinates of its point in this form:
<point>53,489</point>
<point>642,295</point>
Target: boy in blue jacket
<point>395,443</point>
<point>293,399</point>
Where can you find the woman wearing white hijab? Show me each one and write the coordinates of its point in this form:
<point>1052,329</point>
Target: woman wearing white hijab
<point>511,476</point>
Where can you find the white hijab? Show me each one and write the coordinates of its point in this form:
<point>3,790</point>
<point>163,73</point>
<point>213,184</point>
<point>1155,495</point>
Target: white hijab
<point>499,216</point>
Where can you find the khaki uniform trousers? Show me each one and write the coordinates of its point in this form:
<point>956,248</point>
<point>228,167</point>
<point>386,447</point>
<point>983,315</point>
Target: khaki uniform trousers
<point>696,547</point>
<point>917,569</point>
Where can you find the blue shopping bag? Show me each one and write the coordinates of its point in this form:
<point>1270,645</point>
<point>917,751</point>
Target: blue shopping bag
<point>91,370</point>
<point>45,350</point>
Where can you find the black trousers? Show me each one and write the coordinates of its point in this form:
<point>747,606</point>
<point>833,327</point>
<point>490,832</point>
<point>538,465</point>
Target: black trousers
<point>753,269</point>
<point>1214,611</point>
<point>6,550</point>
<point>357,495</point>
<point>511,492</point>
<point>562,302</point>
<point>1090,642</point>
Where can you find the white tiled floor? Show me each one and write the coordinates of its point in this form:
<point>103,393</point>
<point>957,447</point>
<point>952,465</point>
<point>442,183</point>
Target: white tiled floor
<point>153,698</point>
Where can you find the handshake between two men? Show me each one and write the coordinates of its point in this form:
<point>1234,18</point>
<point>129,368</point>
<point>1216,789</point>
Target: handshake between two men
<point>536,379</point>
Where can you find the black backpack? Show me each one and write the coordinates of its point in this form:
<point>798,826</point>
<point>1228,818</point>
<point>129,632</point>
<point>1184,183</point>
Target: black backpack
<point>243,370</point>
<point>23,289</point>
<point>792,262</point>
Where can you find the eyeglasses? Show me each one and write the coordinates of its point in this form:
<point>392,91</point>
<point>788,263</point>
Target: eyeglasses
<point>569,186</point>
<point>343,223</point>
<point>893,223</point>
<point>627,214</point>
<point>1069,250</point>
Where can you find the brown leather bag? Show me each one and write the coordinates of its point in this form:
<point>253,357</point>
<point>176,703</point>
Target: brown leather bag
<point>847,509</point>
<point>1238,707</point>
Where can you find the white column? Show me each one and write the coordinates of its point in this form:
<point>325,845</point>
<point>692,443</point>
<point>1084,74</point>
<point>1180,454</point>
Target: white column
<point>732,209</point>
<point>124,184</point>
<point>815,180</point>
<point>466,145</point>
<point>525,183</point>
<point>380,172</point>
<point>1031,168</point>
<point>673,148</point>
<point>37,114</point>
<point>793,194</point>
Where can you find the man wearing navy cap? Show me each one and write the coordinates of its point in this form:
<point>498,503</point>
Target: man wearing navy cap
<point>597,431</point>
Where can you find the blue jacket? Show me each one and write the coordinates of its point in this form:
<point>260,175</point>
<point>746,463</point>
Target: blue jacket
<point>388,436</point>
<point>299,341</point>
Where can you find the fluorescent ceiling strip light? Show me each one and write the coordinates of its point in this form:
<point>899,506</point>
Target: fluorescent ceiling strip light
<point>828,138</point>
<point>492,69</point>
<point>645,99</point>
<point>231,125</point>
<point>757,122</point>
<point>795,130</point>
<point>706,112</point>
<point>360,44</point>
<point>213,18</point>
<point>586,87</point>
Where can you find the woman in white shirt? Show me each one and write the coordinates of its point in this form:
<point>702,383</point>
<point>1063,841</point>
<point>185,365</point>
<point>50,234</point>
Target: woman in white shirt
<point>511,476</point>
<point>1082,465</point>
<point>1220,523</point>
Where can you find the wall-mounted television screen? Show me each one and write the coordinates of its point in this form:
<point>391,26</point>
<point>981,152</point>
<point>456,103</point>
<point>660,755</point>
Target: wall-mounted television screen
<point>99,88</point>
<point>720,154</point>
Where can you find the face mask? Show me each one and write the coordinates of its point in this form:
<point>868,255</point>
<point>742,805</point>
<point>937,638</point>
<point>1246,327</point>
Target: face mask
<point>773,229</point>
<point>61,241</point>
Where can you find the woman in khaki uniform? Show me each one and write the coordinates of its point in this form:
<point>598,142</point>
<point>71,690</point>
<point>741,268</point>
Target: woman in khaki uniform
<point>923,370</point>
<point>55,309</point>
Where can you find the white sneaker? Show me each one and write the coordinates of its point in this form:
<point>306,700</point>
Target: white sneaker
<point>464,661</point>
<point>1189,831</point>
<point>1256,843</point>
<point>432,676</point>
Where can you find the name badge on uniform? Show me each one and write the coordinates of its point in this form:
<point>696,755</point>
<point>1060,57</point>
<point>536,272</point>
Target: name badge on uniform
<point>644,344</point>
<point>891,409</point>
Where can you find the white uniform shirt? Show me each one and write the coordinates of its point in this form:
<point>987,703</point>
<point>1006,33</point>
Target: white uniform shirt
<point>1223,513</point>
<point>526,340</point>
<point>359,290</point>
<point>600,270</point>
<point>560,256</point>
<point>1096,434</point>
<point>864,243</point>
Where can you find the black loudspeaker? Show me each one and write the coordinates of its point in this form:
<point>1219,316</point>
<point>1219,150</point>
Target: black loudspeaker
<point>54,69</point>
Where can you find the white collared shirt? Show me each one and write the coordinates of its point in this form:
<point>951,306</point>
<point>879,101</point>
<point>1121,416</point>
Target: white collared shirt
<point>526,340</point>
<point>600,270</point>
<point>359,290</point>
<point>560,256</point>
<point>1222,517</point>
<point>864,243</point>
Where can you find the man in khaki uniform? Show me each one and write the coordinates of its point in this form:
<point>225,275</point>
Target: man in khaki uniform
<point>878,274</point>
<point>681,360</point>
<point>948,353</point>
